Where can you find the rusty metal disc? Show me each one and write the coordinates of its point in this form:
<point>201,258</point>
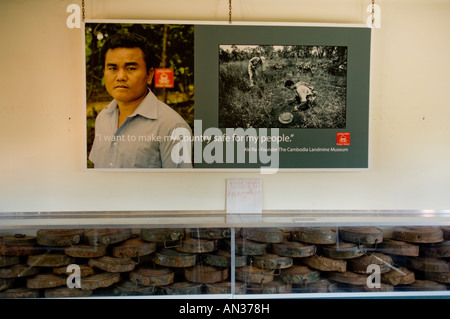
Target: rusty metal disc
<point>250,274</point>
<point>398,247</point>
<point>133,247</point>
<point>86,251</point>
<point>107,236</point>
<point>50,260</point>
<point>323,263</point>
<point>205,274</point>
<point>197,245</point>
<point>173,258</point>
<point>271,261</point>
<point>101,280</point>
<point>59,237</point>
<point>293,249</point>
<point>366,235</point>
<point>299,274</point>
<point>41,281</point>
<point>263,235</point>
<point>112,264</point>
<point>418,234</point>
<point>315,235</point>
<point>152,277</point>
<point>341,250</point>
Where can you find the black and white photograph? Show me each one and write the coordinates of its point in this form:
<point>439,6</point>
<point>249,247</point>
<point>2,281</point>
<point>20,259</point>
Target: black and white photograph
<point>282,86</point>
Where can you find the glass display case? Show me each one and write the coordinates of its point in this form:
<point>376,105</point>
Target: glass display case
<point>278,254</point>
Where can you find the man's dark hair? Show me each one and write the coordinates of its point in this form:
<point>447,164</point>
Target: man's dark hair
<point>129,40</point>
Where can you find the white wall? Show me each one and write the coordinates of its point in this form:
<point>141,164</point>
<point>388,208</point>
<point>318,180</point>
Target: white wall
<point>42,118</point>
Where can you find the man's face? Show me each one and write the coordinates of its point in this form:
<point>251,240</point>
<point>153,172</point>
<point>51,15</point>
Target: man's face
<point>126,75</point>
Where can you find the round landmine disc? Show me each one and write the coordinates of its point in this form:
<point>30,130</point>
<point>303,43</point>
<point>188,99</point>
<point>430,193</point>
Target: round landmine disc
<point>182,288</point>
<point>222,258</point>
<point>428,264</point>
<point>128,288</point>
<point>418,234</point>
<point>250,274</point>
<point>273,287</point>
<point>112,264</point>
<point>272,261</point>
<point>247,247</point>
<point>398,247</point>
<point>66,292</point>
<point>86,251</point>
<point>320,286</point>
<point>134,247</point>
<point>17,239</point>
<point>107,236</point>
<point>162,235</point>
<point>263,235</point>
<point>173,258</point>
<point>436,250</point>
<point>101,280</point>
<point>59,237</point>
<point>19,270</point>
<point>85,270</point>
<point>210,233</point>
<point>325,264</point>
<point>285,117</point>
<point>205,274</point>
<point>341,250</point>
<point>298,274</point>
<point>361,235</point>
<point>50,260</point>
<point>293,249</point>
<point>359,264</point>
<point>348,277</point>
<point>21,292</point>
<point>315,235</point>
<point>401,276</point>
<point>41,281</point>
<point>224,287</point>
<point>153,277</point>
<point>18,245</point>
<point>196,245</point>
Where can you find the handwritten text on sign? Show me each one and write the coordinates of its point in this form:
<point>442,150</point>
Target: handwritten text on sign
<point>244,195</point>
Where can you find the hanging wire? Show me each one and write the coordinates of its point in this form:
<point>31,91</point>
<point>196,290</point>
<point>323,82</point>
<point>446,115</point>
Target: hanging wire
<point>373,13</point>
<point>82,10</point>
<point>229,11</point>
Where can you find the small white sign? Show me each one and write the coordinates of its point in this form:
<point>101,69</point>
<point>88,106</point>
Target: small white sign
<point>244,195</point>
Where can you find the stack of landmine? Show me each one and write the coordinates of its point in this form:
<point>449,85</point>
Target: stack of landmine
<point>322,259</point>
<point>196,261</point>
<point>114,262</point>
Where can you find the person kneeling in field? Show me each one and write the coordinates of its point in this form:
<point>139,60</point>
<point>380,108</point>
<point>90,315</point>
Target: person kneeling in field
<point>305,94</point>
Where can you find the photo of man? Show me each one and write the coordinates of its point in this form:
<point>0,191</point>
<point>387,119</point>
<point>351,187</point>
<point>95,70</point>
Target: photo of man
<point>136,129</point>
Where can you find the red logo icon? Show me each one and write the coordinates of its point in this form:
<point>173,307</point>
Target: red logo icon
<point>343,138</point>
<point>164,78</point>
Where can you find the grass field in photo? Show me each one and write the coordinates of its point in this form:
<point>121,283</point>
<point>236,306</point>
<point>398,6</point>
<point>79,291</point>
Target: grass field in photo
<point>242,105</point>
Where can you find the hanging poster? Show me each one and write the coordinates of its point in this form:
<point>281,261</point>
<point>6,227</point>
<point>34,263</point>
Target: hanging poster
<point>241,96</point>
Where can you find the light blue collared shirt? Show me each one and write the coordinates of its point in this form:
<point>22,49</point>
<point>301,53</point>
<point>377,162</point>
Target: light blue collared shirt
<point>144,140</point>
